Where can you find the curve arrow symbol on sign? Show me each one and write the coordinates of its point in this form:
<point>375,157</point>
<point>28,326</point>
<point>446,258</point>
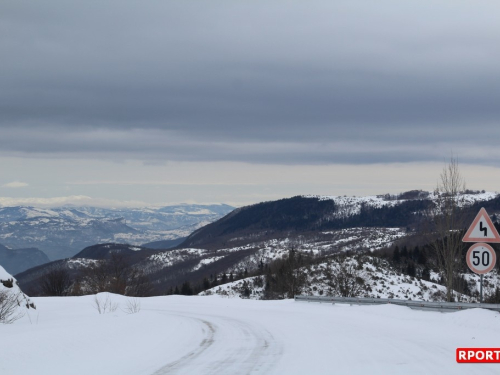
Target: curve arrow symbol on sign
<point>482,229</point>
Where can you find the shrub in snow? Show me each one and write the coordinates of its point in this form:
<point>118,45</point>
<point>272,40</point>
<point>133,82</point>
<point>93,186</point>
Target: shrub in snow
<point>259,281</point>
<point>9,308</point>
<point>13,302</point>
<point>9,283</point>
<point>133,306</point>
<point>103,303</point>
<point>345,279</point>
<point>245,291</point>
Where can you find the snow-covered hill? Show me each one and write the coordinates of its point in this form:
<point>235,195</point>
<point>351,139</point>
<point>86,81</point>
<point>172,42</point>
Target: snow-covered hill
<point>351,205</point>
<point>307,214</point>
<point>376,279</point>
<point>252,237</point>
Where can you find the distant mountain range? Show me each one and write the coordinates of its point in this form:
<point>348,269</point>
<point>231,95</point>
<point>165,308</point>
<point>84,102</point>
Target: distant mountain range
<point>63,232</point>
<point>251,236</point>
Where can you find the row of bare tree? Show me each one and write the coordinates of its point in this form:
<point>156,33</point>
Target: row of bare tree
<point>112,275</point>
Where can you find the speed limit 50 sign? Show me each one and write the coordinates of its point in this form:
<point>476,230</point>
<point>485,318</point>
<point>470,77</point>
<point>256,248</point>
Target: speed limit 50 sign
<point>481,258</point>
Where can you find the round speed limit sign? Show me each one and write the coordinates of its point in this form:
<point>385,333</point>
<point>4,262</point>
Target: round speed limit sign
<point>481,258</point>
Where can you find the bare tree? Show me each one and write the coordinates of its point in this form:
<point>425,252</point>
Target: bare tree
<point>118,268</point>
<point>285,278</point>
<point>56,282</point>
<point>96,278</point>
<point>115,275</point>
<point>138,284</point>
<point>449,220</point>
<point>345,280</point>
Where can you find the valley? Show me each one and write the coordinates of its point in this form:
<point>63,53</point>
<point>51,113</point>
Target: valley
<point>241,253</point>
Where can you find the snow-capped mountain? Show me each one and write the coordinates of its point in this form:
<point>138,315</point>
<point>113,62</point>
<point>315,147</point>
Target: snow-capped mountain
<point>62,232</point>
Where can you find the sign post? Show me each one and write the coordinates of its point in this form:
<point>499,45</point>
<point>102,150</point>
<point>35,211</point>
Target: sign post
<point>481,257</point>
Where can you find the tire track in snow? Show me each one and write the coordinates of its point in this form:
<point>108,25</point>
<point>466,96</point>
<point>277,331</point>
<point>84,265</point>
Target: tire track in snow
<point>230,346</point>
<point>209,331</point>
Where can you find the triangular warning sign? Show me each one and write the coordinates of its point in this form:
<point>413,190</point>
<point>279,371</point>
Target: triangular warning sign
<point>482,229</point>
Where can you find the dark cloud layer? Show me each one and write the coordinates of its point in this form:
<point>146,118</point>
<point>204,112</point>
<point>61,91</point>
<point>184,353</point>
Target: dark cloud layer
<point>267,82</point>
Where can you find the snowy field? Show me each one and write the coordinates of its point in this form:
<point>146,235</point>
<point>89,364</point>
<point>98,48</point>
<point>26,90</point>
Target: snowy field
<point>214,335</point>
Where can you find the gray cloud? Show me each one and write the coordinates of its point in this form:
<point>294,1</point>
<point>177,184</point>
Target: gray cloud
<point>283,82</point>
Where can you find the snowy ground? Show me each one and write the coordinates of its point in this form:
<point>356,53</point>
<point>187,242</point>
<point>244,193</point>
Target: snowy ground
<point>214,335</point>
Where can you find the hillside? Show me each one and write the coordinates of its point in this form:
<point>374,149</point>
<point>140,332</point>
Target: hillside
<point>305,214</point>
<point>18,260</point>
<point>129,255</point>
<point>372,277</point>
<point>251,238</point>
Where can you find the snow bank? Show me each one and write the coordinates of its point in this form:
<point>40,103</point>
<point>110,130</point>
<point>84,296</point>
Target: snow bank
<point>201,335</point>
<point>10,291</point>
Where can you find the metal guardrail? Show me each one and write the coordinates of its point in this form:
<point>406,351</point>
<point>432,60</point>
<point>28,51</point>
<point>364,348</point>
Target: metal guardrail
<point>419,305</point>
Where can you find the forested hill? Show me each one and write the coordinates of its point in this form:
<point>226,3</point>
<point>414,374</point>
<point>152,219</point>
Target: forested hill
<point>320,213</point>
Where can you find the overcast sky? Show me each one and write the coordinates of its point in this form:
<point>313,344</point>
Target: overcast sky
<point>239,102</point>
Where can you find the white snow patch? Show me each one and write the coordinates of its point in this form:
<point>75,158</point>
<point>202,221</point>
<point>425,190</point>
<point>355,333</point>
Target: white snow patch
<point>206,261</point>
<point>195,335</point>
<point>11,288</point>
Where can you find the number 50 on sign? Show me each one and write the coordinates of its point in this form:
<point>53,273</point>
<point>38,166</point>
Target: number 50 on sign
<point>481,258</point>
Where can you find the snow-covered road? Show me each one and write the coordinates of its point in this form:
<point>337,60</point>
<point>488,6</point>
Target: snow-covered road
<point>214,335</point>
<point>227,346</point>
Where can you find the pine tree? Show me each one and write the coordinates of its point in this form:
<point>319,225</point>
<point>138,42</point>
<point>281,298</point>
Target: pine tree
<point>410,269</point>
<point>396,257</point>
<point>426,274</point>
<point>206,284</point>
<point>245,290</point>
<point>415,254</point>
<point>422,258</point>
<point>261,267</point>
<point>186,289</point>
<point>214,281</point>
